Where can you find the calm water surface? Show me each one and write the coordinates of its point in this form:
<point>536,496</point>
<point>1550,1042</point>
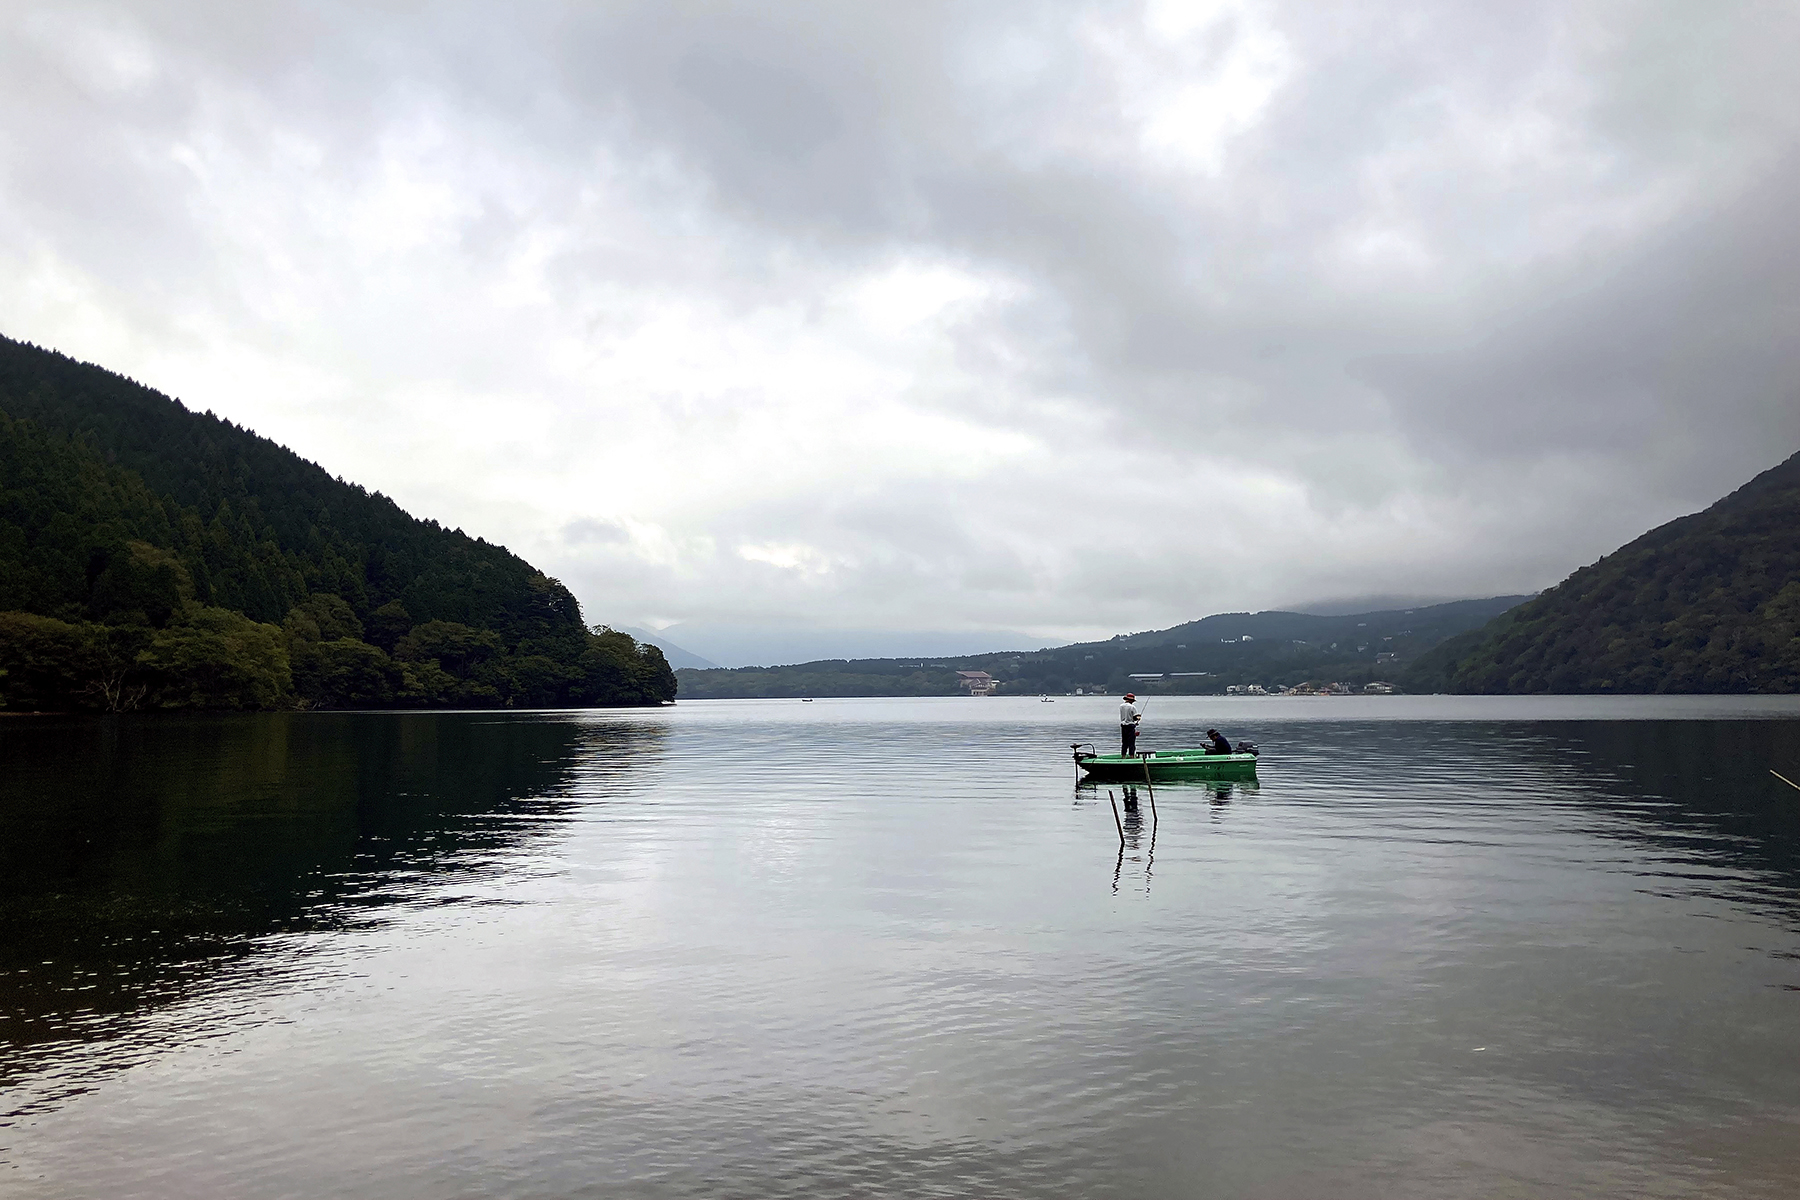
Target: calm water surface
<point>1485,948</point>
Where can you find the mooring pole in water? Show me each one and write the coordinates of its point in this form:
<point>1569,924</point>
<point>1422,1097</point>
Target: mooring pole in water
<point>1784,779</point>
<point>1116,822</point>
<point>1145,759</point>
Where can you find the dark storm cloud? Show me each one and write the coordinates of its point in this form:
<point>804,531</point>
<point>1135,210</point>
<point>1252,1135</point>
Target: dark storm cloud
<point>864,124</point>
<point>1677,353</point>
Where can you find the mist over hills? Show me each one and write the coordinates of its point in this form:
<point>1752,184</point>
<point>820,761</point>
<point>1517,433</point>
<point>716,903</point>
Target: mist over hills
<point>677,656</point>
<point>1344,606</point>
<point>1709,602</point>
<point>1196,657</point>
<point>744,644</point>
<point>155,557</point>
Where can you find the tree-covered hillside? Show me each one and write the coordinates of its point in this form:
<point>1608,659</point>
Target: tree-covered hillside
<point>1198,657</point>
<point>1707,603</point>
<point>155,557</point>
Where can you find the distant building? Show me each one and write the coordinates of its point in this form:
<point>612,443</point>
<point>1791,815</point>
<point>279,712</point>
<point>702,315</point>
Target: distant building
<point>1379,688</point>
<point>976,683</point>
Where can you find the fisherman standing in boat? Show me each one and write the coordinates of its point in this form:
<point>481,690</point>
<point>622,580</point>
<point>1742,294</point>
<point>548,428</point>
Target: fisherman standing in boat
<point>1129,716</point>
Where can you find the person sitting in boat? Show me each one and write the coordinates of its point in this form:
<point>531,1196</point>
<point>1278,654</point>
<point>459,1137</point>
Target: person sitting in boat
<point>1129,716</point>
<point>1216,743</point>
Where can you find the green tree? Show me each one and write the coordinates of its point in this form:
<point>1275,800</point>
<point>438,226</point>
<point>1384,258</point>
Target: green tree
<point>216,658</point>
<point>47,662</point>
<point>540,681</point>
<point>425,684</point>
<point>119,505</point>
<point>344,674</point>
<point>455,647</point>
<point>323,617</point>
<point>615,669</point>
<point>141,583</point>
<point>388,624</point>
<point>52,665</point>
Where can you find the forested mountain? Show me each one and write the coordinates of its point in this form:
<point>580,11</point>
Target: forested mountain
<point>1707,603</point>
<point>155,557</point>
<point>1198,657</point>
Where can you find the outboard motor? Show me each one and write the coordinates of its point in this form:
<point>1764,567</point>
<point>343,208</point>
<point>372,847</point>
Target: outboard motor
<point>1247,748</point>
<point>1076,747</point>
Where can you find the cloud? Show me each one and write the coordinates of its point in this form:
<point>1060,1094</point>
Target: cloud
<point>587,531</point>
<point>1063,318</point>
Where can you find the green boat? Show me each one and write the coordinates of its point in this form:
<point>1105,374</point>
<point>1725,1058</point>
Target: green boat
<point>1163,765</point>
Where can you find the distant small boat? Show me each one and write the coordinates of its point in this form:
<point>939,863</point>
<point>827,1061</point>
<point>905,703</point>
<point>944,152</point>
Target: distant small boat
<point>1045,700</point>
<point>806,700</point>
<point>1162,765</point>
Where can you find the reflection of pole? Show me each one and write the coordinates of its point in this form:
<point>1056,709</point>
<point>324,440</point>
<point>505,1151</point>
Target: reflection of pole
<point>1150,858</point>
<point>1118,823</point>
<point>1785,779</point>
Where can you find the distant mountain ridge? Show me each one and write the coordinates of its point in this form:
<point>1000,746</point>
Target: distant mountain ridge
<point>677,656</point>
<point>155,557</point>
<point>773,643</point>
<point>1709,602</point>
<point>1197,657</point>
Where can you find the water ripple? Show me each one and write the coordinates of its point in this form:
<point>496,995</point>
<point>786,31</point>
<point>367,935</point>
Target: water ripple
<point>891,948</point>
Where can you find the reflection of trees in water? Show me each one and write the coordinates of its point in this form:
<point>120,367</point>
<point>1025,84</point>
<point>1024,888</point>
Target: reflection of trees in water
<point>1695,792</point>
<point>134,852</point>
<point>1687,792</point>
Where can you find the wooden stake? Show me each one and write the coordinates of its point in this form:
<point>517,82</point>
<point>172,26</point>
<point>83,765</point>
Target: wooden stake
<point>1145,759</point>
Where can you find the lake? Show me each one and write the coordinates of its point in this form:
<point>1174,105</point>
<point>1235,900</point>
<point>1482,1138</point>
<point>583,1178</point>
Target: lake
<point>1443,947</point>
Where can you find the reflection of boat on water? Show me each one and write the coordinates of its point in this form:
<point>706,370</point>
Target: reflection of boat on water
<point>1163,765</point>
<point>1219,791</point>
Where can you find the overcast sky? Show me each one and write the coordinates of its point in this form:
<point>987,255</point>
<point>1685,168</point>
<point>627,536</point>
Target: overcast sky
<point>1067,319</point>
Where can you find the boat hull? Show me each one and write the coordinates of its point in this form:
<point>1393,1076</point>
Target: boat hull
<point>1166,766</point>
